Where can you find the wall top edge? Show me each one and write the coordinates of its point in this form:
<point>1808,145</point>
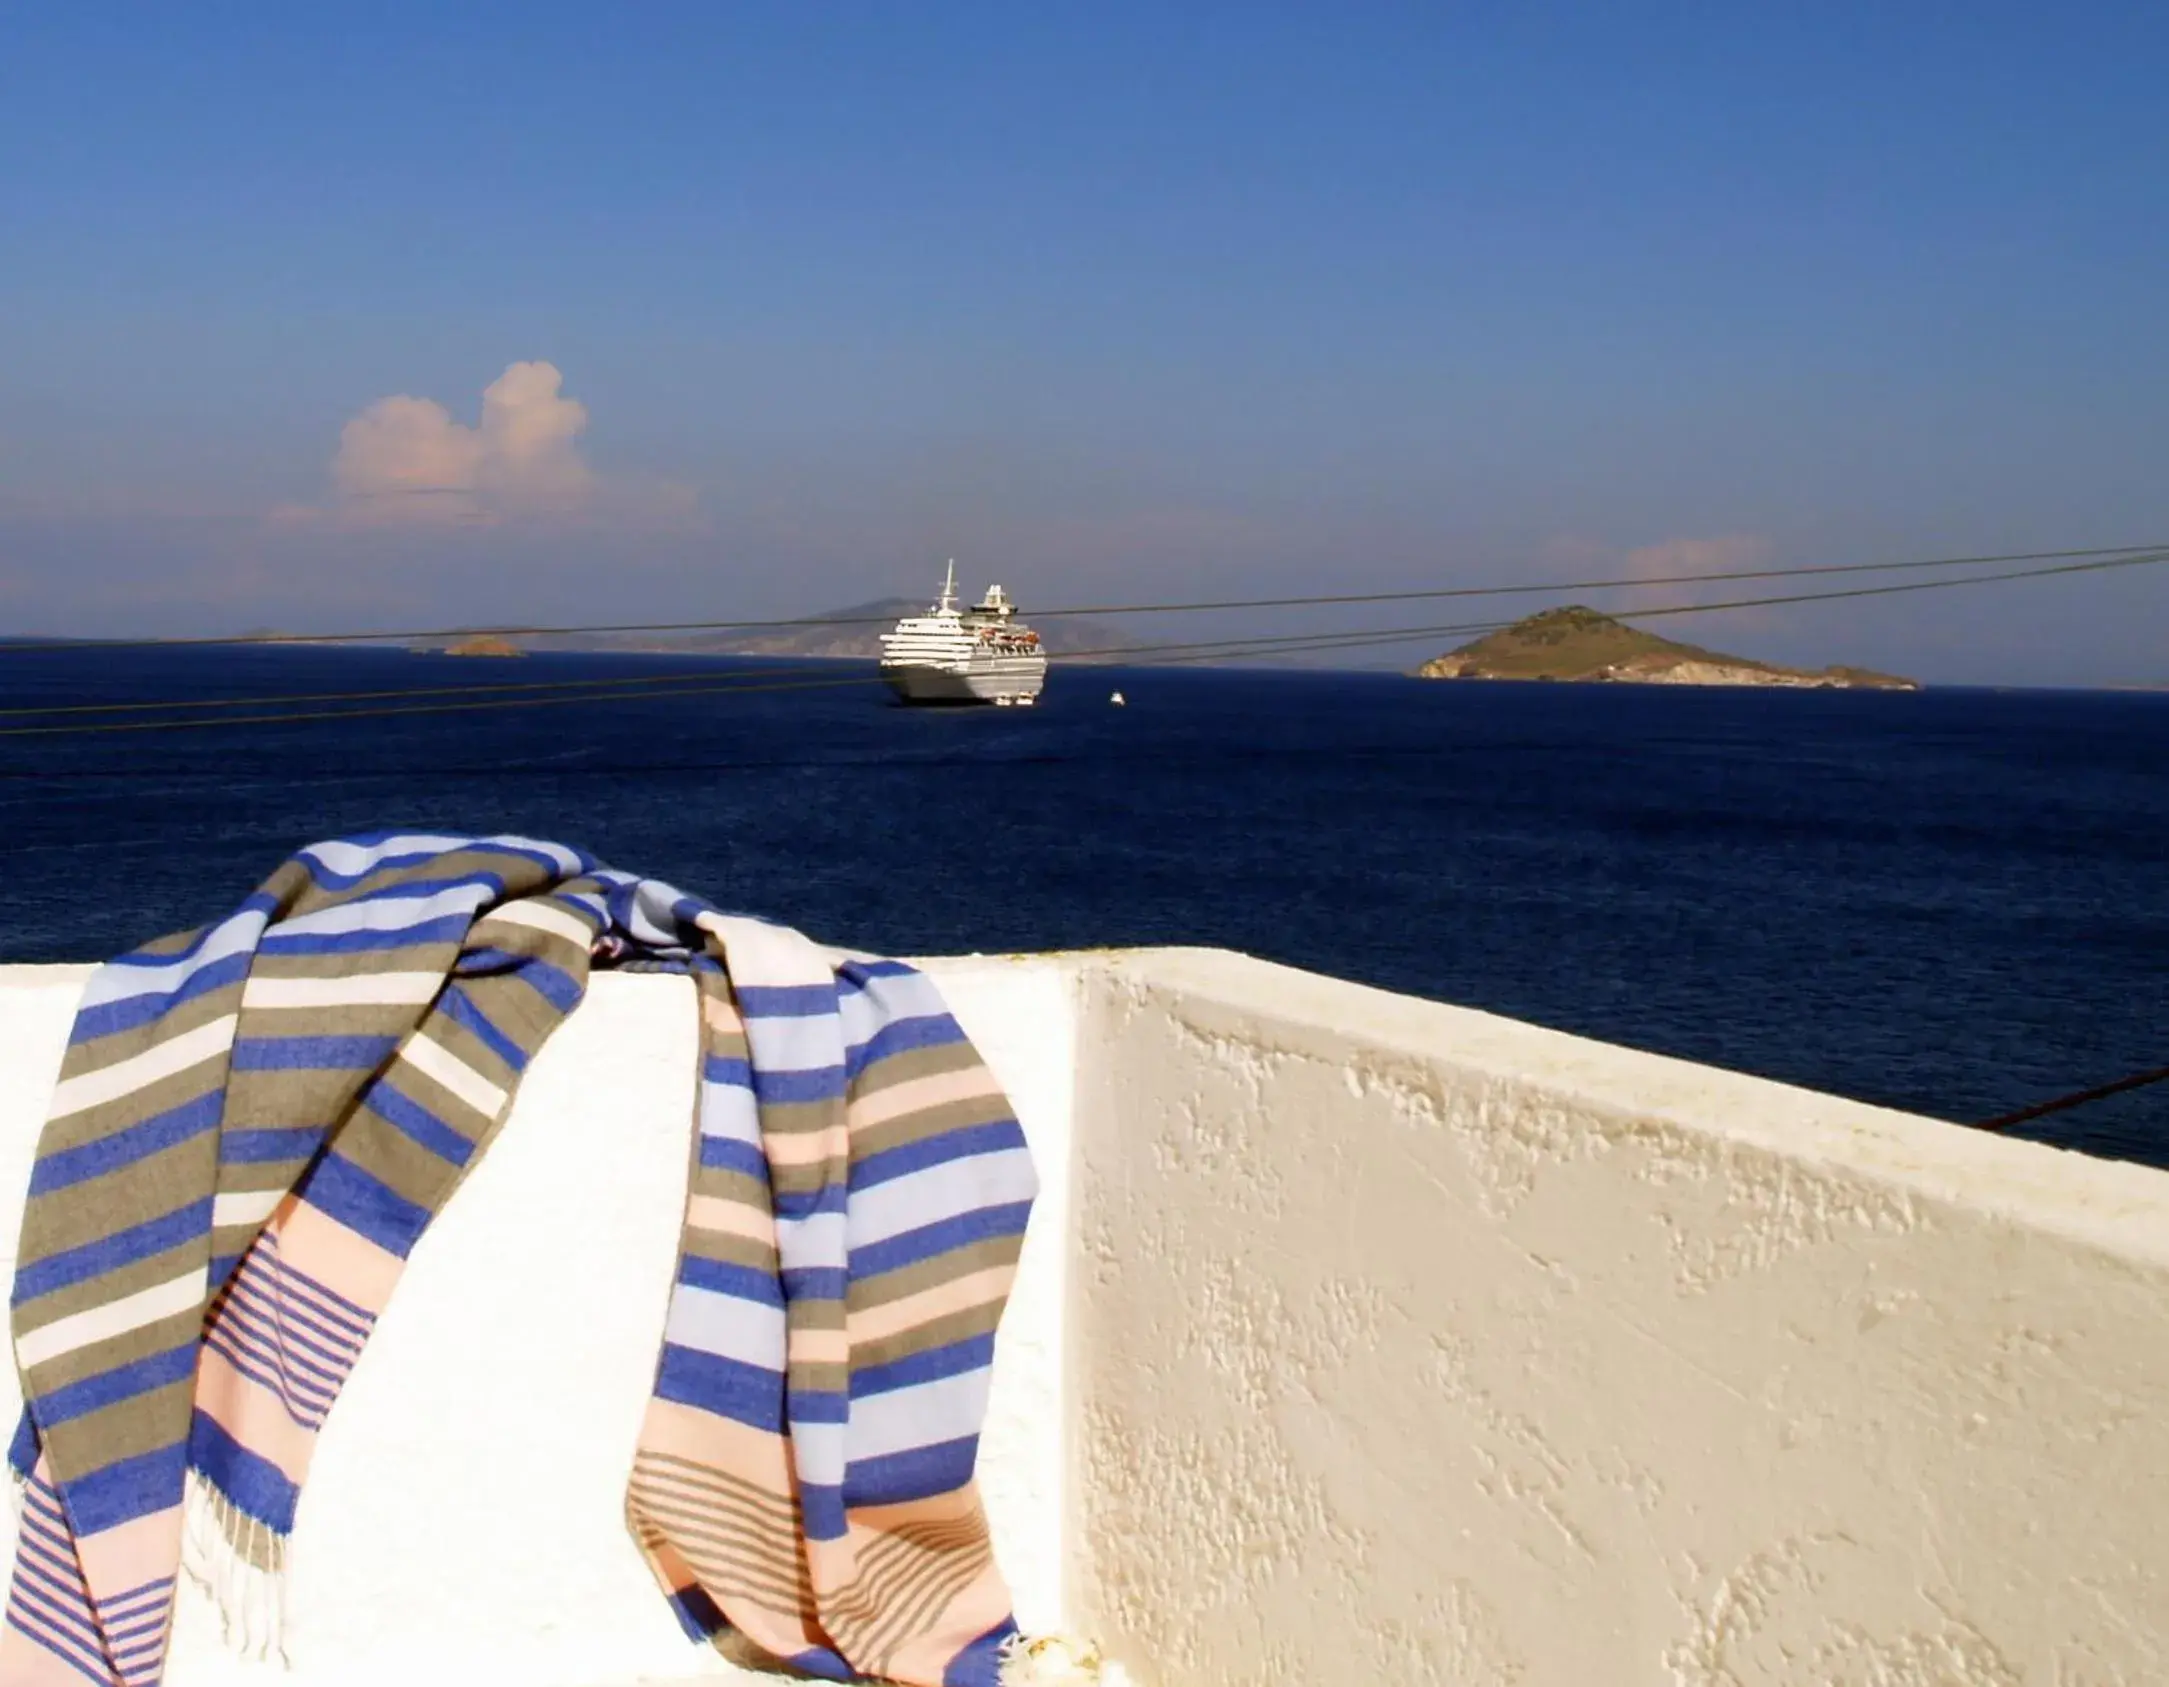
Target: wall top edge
<point>2113,1204</point>
<point>47,975</point>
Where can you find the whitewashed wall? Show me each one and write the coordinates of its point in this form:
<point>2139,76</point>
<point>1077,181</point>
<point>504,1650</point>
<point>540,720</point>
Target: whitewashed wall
<point>1415,1345</point>
<point>463,1521</point>
<point>1359,1341</point>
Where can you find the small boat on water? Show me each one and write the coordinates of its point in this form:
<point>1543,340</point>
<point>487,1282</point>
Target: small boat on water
<point>951,654</point>
<point>1118,699</point>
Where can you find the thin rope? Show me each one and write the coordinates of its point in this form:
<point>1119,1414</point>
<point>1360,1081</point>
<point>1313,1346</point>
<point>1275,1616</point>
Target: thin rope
<point>2077,1098</point>
<point>264,700</point>
<point>1130,655</point>
<point>1315,600</point>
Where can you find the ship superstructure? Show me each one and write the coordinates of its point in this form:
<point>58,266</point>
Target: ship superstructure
<point>952,654</point>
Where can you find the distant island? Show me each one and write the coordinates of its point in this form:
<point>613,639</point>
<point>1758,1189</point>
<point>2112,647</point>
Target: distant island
<point>1580,644</point>
<point>852,632</point>
<point>483,644</point>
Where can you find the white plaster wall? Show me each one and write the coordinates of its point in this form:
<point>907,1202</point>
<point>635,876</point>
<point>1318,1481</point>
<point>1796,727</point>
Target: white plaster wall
<point>1414,1345</point>
<point>463,1521</point>
<point>1370,1341</point>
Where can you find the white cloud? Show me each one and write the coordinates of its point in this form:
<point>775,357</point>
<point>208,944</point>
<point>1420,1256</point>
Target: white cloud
<point>1686,564</point>
<point>406,461</point>
<point>1670,559</point>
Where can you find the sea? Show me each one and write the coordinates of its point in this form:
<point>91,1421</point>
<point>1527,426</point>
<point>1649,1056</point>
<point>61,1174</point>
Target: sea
<point>1953,902</point>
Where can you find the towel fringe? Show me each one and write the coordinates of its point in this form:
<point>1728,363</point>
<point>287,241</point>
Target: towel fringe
<point>1057,1660</point>
<point>240,1564</point>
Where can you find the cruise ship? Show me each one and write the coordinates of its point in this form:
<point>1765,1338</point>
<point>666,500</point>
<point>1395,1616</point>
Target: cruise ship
<point>950,654</point>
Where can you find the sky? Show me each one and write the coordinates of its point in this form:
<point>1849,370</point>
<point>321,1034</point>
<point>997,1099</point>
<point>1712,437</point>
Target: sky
<point>376,315</point>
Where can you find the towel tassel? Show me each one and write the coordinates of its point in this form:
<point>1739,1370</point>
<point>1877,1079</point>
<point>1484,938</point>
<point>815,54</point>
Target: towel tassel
<point>1056,1660</point>
<point>239,1562</point>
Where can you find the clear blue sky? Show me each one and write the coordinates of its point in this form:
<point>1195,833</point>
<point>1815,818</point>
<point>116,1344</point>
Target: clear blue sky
<point>1107,300</point>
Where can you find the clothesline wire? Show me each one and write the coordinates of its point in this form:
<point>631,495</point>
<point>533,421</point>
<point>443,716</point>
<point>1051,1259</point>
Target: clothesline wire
<point>2077,1098</point>
<point>545,693</point>
<point>299,716</point>
<point>706,678</point>
<point>1270,644</point>
<point>1131,655</point>
<point>1313,600</point>
<point>601,684</point>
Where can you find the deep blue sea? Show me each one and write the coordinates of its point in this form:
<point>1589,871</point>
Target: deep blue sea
<point>1954,902</point>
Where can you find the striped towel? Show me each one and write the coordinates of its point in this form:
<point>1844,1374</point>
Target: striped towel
<point>255,1123</point>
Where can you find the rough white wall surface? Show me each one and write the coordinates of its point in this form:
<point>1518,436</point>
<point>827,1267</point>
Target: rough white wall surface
<point>1383,1341</point>
<point>1414,1345</point>
<point>464,1517</point>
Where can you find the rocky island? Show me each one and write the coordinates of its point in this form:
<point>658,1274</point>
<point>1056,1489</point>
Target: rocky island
<point>484,644</point>
<point>1581,644</point>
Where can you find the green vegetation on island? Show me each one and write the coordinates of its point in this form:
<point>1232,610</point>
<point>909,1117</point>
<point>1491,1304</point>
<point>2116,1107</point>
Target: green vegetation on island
<point>483,644</point>
<point>1580,644</point>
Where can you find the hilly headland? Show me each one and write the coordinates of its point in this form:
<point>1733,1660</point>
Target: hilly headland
<point>1582,645</point>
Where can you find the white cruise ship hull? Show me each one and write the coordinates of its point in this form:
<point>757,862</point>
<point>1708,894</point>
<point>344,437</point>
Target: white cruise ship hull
<point>950,654</point>
<point>978,679</point>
